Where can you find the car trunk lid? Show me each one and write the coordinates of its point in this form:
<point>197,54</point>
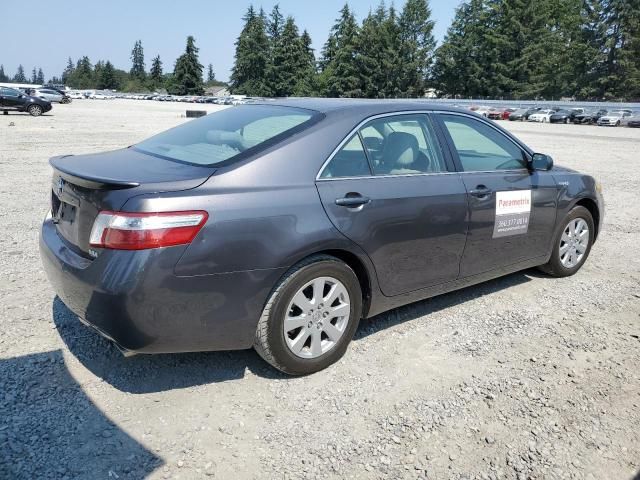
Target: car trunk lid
<point>84,185</point>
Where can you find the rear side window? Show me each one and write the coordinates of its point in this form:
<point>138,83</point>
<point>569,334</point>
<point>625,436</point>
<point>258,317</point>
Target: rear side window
<point>225,135</point>
<point>350,161</point>
<point>480,147</point>
<point>9,92</point>
<point>394,145</point>
<point>404,144</point>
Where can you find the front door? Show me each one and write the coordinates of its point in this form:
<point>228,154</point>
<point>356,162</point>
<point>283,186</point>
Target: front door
<point>512,210</point>
<point>9,98</point>
<point>399,201</point>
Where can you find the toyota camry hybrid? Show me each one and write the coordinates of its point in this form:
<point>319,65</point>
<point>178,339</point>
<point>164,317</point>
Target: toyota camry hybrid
<point>280,225</point>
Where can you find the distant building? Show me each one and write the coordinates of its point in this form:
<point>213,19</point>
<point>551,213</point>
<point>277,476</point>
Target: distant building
<point>216,91</point>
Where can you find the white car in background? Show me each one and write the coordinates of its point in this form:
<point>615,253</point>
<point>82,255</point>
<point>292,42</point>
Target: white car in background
<point>543,116</point>
<point>614,118</point>
<point>76,95</point>
<point>99,96</point>
<point>482,111</point>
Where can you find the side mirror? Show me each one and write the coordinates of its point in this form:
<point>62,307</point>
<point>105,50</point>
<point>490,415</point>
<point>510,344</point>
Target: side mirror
<point>540,161</point>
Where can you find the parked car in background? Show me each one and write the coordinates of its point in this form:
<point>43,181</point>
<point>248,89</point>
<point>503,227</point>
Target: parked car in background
<point>589,117</point>
<point>100,96</point>
<point>51,95</point>
<point>482,110</point>
<point>280,225</point>
<point>633,121</point>
<point>542,116</point>
<point>76,95</point>
<point>614,118</point>
<point>564,115</point>
<point>507,113</point>
<point>16,100</point>
<point>522,114</point>
<point>496,113</point>
<point>64,92</point>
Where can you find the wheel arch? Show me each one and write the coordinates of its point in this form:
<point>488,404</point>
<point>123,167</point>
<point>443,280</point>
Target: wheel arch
<point>592,206</point>
<point>356,264</point>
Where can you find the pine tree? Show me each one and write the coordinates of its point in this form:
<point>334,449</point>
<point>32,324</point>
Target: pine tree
<point>462,67</point>
<point>275,24</point>
<point>211,76</point>
<point>341,76</point>
<point>40,77</point>
<point>187,74</point>
<point>249,74</point>
<point>137,61</point>
<point>630,53</point>
<point>275,28</point>
<point>68,71</point>
<point>107,79</point>
<point>97,74</point>
<point>417,47</point>
<point>378,53</point>
<point>34,75</point>
<point>3,76</point>
<point>306,85</point>
<point>617,66</point>
<point>290,61</point>
<point>155,74</point>
<point>20,77</point>
<point>82,75</point>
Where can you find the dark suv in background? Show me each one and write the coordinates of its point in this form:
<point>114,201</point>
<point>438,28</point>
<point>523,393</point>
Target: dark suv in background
<point>12,99</point>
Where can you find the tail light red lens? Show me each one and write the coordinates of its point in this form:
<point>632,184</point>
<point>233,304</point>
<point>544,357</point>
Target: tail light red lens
<point>141,231</point>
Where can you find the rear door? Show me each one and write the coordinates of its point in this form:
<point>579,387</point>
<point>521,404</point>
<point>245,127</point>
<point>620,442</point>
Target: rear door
<point>391,189</point>
<point>512,210</point>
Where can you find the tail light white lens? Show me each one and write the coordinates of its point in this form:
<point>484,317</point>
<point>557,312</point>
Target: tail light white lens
<point>141,231</point>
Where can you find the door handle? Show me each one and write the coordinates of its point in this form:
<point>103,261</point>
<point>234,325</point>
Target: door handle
<point>480,191</point>
<point>352,201</point>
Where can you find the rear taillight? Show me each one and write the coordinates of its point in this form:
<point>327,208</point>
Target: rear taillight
<point>140,231</point>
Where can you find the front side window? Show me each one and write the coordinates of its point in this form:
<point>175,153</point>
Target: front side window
<point>480,147</point>
<point>221,136</point>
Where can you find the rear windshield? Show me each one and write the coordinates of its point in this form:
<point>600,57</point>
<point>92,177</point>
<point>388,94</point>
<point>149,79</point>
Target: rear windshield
<point>224,135</point>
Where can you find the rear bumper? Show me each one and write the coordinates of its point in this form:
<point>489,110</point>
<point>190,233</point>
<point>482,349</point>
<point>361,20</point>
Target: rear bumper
<point>135,299</point>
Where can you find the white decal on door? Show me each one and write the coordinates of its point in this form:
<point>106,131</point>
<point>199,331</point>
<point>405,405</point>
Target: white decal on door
<point>513,210</point>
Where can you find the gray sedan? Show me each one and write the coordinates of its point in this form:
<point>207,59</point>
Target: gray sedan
<point>280,225</point>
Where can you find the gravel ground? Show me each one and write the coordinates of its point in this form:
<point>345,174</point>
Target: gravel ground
<point>524,377</point>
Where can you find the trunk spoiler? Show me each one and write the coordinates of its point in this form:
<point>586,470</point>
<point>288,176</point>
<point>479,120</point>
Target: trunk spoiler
<point>89,181</point>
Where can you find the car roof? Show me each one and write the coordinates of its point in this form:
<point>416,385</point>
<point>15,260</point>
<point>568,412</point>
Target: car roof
<point>359,106</point>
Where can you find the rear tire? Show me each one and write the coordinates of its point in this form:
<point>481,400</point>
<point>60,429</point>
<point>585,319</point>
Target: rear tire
<point>34,110</point>
<point>572,244</point>
<point>292,330</point>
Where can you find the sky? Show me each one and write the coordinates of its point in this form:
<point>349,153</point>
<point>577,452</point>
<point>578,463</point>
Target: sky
<point>108,30</point>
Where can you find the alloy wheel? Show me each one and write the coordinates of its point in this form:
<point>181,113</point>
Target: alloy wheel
<point>574,242</point>
<point>317,317</point>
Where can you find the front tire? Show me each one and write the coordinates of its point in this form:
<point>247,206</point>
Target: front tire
<point>310,317</point>
<point>572,244</point>
<point>34,110</point>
